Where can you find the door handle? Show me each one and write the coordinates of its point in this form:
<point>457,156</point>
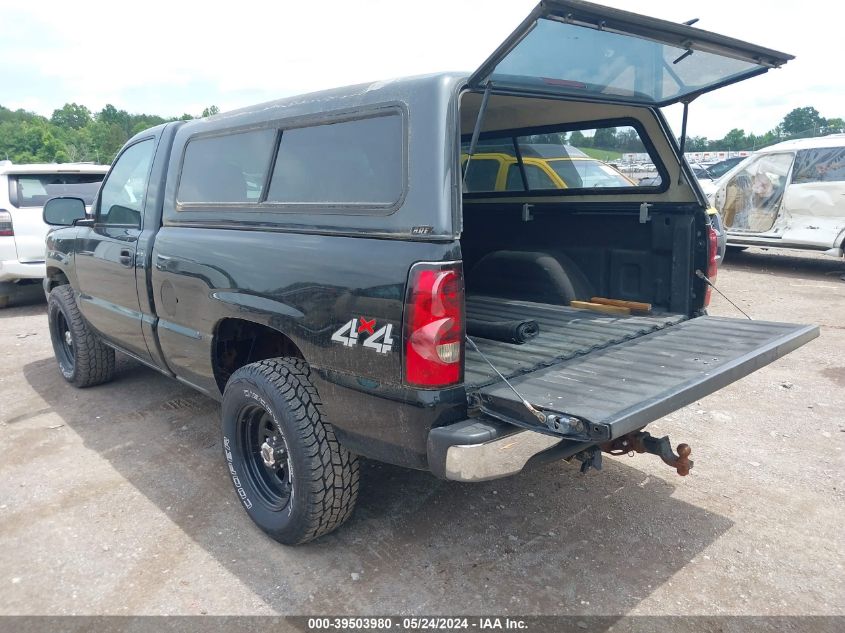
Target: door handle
<point>126,257</point>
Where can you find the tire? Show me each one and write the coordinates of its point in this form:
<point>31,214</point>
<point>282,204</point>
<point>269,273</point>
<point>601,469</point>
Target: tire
<point>311,486</point>
<point>4,302</point>
<point>736,249</point>
<point>83,358</point>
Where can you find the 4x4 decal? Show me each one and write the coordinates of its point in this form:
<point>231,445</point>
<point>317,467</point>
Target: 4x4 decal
<point>381,339</point>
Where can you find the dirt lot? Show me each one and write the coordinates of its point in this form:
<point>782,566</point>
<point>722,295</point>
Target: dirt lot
<point>115,500</point>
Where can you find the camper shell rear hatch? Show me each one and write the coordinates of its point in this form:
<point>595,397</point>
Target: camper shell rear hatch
<point>592,380</point>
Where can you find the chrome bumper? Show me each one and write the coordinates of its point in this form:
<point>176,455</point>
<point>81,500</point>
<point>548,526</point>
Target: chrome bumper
<point>499,458</point>
<point>481,449</point>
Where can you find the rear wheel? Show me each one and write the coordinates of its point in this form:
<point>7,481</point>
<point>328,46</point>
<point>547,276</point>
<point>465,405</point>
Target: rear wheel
<point>83,358</point>
<point>292,476</point>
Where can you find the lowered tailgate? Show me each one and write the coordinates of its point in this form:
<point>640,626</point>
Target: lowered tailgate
<point>620,389</point>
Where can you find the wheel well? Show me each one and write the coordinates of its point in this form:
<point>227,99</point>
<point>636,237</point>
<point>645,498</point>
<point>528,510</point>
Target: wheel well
<point>56,278</point>
<point>238,342</point>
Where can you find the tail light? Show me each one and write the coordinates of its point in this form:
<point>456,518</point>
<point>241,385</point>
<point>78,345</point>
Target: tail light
<point>6,228</point>
<point>434,325</point>
<point>712,269</point>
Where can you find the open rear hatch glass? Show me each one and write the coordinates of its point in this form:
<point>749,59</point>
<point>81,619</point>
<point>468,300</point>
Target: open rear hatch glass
<point>613,391</point>
<point>579,49</point>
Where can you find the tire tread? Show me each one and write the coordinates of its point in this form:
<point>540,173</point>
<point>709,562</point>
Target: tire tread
<point>95,361</point>
<point>334,471</point>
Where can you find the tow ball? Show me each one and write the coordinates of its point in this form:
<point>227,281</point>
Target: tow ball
<point>642,442</point>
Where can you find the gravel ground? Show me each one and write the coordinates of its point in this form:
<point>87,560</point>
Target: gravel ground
<point>115,500</point>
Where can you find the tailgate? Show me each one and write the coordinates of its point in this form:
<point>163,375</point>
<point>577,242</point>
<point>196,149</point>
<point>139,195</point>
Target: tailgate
<point>620,389</point>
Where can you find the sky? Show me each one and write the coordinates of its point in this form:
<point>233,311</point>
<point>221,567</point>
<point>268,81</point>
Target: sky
<point>168,58</point>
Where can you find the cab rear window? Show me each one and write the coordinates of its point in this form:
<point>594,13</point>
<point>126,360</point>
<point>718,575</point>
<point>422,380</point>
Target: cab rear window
<point>34,190</point>
<point>576,159</point>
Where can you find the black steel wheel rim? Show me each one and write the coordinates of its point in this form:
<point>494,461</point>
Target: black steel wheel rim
<point>64,341</point>
<point>272,483</point>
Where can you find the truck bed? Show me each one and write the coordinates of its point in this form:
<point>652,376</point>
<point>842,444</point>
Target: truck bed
<point>565,333</point>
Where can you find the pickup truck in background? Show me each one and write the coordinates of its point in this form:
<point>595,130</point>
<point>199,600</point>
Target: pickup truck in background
<point>320,266</point>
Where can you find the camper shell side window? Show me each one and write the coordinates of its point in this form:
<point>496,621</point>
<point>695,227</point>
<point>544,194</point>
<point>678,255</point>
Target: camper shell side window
<point>356,161</point>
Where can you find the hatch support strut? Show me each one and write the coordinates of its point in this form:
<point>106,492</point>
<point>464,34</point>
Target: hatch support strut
<point>686,103</point>
<point>477,129</point>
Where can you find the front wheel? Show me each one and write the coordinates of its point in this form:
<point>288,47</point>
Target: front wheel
<point>290,473</point>
<point>83,358</point>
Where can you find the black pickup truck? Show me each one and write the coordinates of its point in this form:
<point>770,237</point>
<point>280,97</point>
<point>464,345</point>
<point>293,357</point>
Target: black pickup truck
<point>438,272</point>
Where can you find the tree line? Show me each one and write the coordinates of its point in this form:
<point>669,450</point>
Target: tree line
<point>75,134</point>
<point>803,122</point>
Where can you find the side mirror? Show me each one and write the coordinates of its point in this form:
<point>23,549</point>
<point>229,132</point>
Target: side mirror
<point>64,211</point>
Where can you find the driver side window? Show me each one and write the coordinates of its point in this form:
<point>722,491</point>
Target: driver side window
<point>122,197</point>
<point>750,200</point>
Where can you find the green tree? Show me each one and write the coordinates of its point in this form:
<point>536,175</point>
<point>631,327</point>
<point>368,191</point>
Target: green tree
<point>804,121</point>
<point>555,138</point>
<point>112,116</point>
<point>627,140</point>
<point>578,139</point>
<point>832,126</point>
<point>107,139</point>
<point>605,138</point>
<point>697,144</point>
<point>733,140</point>
<point>31,142</point>
<point>211,111</point>
<point>71,115</point>
<point>79,145</point>
<point>71,133</point>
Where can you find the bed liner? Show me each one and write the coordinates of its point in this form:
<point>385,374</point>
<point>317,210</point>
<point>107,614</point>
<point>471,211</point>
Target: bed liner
<point>565,333</point>
<point>615,374</point>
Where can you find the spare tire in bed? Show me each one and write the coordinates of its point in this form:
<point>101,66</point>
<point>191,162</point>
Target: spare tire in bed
<point>529,276</point>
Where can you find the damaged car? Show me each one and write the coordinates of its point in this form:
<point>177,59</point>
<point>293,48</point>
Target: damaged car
<point>790,195</point>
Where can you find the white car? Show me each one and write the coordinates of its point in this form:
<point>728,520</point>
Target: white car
<point>789,195</point>
<point>23,191</point>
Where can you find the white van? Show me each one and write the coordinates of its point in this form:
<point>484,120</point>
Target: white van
<point>23,191</point>
<point>789,195</point>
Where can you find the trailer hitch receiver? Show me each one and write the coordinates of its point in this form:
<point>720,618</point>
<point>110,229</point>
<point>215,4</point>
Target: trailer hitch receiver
<point>642,442</point>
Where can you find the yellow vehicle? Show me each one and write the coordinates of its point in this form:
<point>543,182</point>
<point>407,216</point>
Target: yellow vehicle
<point>546,167</point>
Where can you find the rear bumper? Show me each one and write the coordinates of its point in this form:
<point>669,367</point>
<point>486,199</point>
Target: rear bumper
<point>482,449</point>
<point>12,270</point>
